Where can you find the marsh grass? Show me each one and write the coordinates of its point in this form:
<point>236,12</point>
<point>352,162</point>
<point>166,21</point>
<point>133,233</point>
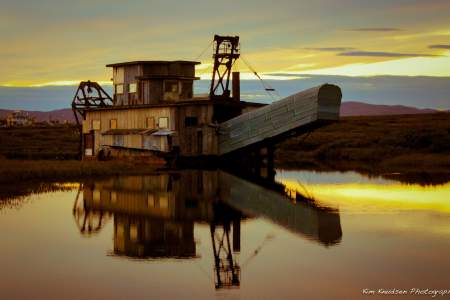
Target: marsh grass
<point>417,145</point>
<point>414,144</point>
<point>43,142</point>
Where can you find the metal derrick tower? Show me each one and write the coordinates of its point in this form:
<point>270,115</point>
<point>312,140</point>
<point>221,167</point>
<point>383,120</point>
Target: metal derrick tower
<point>225,53</point>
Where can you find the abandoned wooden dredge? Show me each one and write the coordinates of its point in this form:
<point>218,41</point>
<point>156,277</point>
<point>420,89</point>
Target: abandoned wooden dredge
<point>154,114</point>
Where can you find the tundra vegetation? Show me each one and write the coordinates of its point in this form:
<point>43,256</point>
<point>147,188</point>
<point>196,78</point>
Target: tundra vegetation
<point>413,148</point>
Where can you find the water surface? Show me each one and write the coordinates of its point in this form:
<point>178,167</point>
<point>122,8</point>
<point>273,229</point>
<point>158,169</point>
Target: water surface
<point>210,234</point>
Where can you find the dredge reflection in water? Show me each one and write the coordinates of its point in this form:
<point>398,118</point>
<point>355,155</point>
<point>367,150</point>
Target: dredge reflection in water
<point>154,215</point>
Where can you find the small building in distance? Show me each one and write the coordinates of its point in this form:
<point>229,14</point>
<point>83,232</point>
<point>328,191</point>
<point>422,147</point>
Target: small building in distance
<point>154,111</point>
<point>19,118</point>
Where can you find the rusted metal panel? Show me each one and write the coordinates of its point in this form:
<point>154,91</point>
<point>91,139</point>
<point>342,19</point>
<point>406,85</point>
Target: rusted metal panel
<point>290,113</point>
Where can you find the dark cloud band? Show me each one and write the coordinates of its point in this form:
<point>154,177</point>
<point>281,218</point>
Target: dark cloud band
<point>375,29</point>
<point>439,46</point>
<point>331,49</point>
<point>382,54</point>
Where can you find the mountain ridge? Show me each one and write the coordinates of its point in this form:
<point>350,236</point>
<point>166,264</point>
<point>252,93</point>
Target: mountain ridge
<point>348,108</point>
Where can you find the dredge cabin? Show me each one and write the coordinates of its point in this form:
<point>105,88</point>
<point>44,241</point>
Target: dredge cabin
<point>154,111</point>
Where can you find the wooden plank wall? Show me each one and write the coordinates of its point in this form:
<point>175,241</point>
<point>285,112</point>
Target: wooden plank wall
<point>130,118</point>
<point>130,73</point>
<point>126,119</point>
<point>319,103</point>
<point>187,138</point>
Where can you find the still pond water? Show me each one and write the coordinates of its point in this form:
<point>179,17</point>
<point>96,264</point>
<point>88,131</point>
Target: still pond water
<point>210,234</point>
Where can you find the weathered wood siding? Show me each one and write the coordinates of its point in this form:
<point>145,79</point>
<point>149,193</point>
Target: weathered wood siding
<point>199,139</point>
<point>319,103</point>
<point>169,69</point>
<point>129,76</point>
<point>151,91</point>
<point>149,80</point>
<point>126,119</point>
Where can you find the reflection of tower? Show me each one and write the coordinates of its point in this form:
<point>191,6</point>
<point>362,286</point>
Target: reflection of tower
<point>88,221</point>
<point>227,272</point>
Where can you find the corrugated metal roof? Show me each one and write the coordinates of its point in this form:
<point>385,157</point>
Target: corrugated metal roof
<point>163,132</point>
<point>153,62</point>
<point>129,131</point>
<point>137,131</point>
<point>178,77</point>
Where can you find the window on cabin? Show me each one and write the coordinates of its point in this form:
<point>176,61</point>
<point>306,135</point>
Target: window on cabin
<point>163,202</point>
<point>119,89</point>
<point>163,122</point>
<point>190,121</point>
<point>120,230</point>
<point>134,234</point>
<point>150,123</point>
<point>132,88</point>
<point>187,89</point>
<point>113,124</point>
<point>150,200</point>
<point>113,197</point>
<point>118,140</point>
<point>96,196</point>
<point>96,124</point>
<point>118,75</point>
<point>171,86</point>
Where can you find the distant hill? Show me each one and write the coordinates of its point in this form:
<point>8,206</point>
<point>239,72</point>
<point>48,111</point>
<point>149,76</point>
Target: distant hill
<point>59,115</point>
<point>351,108</point>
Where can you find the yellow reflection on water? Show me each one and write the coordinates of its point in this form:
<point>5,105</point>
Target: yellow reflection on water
<point>376,197</point>
<point>71,185</point>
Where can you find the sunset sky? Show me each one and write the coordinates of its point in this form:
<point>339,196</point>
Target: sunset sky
<point>61,42</point>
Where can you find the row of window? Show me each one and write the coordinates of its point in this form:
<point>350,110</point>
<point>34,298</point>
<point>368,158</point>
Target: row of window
<point>132,88</point>
<point>170,86</point>
<point>160,200</point>
<point>163,123</point>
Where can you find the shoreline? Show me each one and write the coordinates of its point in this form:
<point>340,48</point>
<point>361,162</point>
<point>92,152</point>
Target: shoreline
<point>66,170</point>
<point>409,148</point>
<point>20,171</point>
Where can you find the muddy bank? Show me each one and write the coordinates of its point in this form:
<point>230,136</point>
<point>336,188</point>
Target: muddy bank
<point>16,171</point>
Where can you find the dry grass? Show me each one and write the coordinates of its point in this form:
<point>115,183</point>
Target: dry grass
<point>46,142</point>
<point>414,144</point>
<point>381,144</point>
